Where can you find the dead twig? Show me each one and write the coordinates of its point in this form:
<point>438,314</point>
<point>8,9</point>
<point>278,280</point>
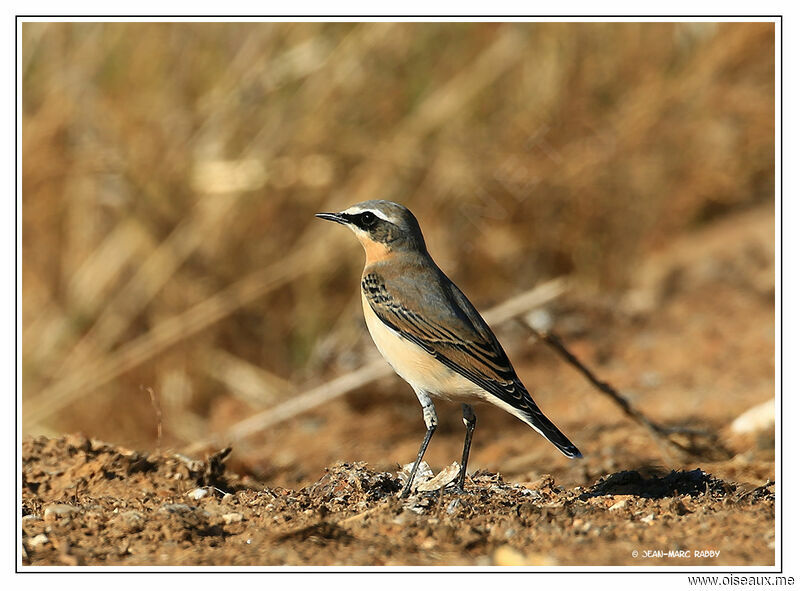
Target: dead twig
<point>659,432</point>
<point>508,310</point>
<point>157,409</point>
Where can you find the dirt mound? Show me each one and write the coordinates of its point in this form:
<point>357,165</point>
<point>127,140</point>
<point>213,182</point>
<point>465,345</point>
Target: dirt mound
<point>86,502</point>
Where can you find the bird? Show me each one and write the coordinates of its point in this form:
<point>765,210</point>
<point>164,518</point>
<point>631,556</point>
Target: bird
<point>430,333</point>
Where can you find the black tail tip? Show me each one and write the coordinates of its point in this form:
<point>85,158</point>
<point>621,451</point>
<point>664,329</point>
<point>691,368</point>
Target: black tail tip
<point>572,452</point>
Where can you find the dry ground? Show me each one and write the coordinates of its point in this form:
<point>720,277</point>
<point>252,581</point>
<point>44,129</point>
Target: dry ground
<point>692,344</point>
<point>118,507</point>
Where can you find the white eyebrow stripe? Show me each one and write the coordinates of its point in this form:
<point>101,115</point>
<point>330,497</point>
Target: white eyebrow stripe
<point>377,213</point>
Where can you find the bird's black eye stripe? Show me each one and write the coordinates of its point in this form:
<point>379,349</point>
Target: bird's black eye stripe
<point>367,219</point>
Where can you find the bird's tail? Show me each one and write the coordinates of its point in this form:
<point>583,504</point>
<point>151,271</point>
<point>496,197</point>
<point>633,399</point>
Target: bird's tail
<point>536,419</point>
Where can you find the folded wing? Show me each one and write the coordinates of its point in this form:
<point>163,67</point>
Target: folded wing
<point>447,325</point>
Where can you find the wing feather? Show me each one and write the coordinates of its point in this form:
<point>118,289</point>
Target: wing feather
<point>462,341</point>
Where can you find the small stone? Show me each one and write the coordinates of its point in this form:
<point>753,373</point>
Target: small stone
<point>427,544</point>
<point>508,556</point>
<point>53,512</point>
<point>38,540</point>
<point>649,519</point>
<point>618,505</point>
<point>197,493</point>
<point>229,518</point>
<point>756,419</point>
<point>132,521</point>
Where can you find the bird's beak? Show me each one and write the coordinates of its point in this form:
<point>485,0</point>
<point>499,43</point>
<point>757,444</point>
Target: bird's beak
<point>332,217</point>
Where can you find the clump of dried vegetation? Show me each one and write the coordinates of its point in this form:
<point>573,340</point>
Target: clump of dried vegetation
<point>170,172</point>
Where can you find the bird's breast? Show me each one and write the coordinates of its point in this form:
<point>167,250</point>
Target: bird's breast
<point>416,366</point>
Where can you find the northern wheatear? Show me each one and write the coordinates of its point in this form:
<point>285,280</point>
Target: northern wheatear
<point>428,330</point>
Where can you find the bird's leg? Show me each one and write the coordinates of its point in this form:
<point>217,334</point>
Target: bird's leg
<point>469,422</point>
<point>429,415</point>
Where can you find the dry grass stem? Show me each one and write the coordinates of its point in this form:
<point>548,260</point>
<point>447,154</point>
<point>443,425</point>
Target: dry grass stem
<point>170,173</point>
<point>303,402</point>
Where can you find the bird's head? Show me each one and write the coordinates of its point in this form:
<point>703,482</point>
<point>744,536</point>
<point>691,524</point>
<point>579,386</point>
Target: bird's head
<point>382,227</point>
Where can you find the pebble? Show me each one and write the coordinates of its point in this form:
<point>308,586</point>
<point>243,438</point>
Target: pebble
<point>197,493</point>
<point>229,518</point>
<point>52,512</point>
<point>133,521</point>
<point>758,418</point>
<point>38,540</point>
<point>618,505</point>
<point>649,519</point>
<point>508,556</point>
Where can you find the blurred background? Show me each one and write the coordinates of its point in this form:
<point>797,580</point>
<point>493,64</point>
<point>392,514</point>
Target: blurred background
<point>176,283</point>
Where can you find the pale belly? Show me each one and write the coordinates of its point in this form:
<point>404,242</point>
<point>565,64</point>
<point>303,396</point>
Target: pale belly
<point>417,367</point>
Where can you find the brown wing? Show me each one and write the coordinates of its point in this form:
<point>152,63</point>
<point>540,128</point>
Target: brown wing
<point>445,324</point>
